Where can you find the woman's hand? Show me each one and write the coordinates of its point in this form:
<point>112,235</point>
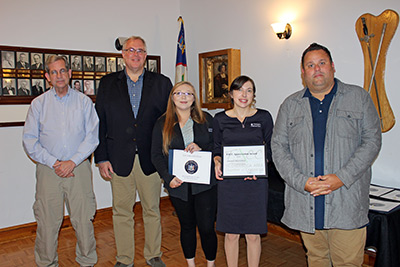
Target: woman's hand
<point>251,178</point>
<point>192,147</point>
<point>176,182</point>
<point>218,170</point>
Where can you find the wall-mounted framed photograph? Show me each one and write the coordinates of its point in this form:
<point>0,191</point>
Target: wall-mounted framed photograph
<point>7,59</point>
<point>217,69</point>
<point>9,87</point>
<point>37,87</point>
<point>77,85</point>
<point>22,72</point>
<point>111,64</point>
<point>37,61</point>
<point>88,63</point>
<point>152,65</point>
<point>76,63</point>
<point>100,64</point>
<point>120,64</point>
<point>24,87</point>
<point>88,87</point>
<point>23,60</point>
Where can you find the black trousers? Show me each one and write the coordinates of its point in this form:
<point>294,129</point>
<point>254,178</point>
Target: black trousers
<point>200,211</point>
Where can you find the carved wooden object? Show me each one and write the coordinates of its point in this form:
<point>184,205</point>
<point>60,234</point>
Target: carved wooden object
<point>375,34</point>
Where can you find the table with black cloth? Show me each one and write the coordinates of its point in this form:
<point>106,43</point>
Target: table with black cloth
<point>383,230</point>
<point>383,233</point>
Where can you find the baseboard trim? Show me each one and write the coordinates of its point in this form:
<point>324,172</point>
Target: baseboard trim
<point>281,230</point>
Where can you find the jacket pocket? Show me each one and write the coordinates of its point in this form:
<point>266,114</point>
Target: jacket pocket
<point>296,129</point>
<point>348,123</point>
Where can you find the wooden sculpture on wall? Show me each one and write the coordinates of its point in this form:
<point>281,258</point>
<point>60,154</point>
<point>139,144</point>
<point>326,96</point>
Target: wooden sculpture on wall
<point>375,34</point>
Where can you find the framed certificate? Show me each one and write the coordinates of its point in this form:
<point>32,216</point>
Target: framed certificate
<point>190,167</point>
<point>244,161</point>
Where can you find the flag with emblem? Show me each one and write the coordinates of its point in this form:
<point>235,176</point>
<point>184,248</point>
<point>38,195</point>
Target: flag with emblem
<point>181,66</point>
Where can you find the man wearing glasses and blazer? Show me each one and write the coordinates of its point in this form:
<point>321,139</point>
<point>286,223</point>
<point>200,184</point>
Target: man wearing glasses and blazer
<point>128,104</point>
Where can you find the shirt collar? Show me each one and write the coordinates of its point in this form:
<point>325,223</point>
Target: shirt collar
<point>308,94</point>
<point>53,91</point>
<point>129,78</point>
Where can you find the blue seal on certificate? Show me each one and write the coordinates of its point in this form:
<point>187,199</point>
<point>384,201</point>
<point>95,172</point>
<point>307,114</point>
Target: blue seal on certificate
<point>191,166</point>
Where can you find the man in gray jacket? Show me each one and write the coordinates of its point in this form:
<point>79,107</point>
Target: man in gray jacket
<point>325,139</point>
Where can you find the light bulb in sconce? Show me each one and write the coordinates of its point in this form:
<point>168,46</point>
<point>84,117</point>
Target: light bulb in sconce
<point>282,30</point>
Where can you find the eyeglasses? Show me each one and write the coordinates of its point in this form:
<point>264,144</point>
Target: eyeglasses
<point>180,94</point>
<point>132,50</point>
<point>62,71</point>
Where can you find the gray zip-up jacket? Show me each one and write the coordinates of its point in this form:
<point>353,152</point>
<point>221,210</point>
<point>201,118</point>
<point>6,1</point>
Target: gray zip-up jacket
<point>352,142</point>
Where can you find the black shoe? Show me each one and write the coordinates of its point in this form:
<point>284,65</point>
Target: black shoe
<point>119,264</point>
<point>155,262</point>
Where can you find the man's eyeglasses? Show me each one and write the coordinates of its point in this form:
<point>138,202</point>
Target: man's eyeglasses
<point>132,50</point>
<point>180,94</point>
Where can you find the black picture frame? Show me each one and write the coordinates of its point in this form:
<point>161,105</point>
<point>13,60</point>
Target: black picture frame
<point>7,59</point>
<point>77,85</point>
<point>76,63</point>
<point>37,62</point>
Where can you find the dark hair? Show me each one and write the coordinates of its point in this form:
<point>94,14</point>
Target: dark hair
<point>220,66</point>
<point>239,81</point>
<point>313,47</point>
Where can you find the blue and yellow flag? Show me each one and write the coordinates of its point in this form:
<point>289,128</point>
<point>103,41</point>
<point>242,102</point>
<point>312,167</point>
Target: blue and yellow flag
<point>181,66</point>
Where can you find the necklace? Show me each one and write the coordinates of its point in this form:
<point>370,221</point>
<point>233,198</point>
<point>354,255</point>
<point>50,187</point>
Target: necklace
<point>244,122</point>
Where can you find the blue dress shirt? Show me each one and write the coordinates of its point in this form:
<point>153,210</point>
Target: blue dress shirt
<point>135,92</point>
<point>63,129</point>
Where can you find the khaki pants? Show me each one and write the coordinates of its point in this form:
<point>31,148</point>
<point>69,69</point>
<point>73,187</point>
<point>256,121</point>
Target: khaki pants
<point>77,193</point>
<point>124,198</point>
<point>335,247</point>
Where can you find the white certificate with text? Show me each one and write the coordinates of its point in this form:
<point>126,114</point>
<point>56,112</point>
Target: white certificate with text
<point>192,167</point>
<point>244,161</point>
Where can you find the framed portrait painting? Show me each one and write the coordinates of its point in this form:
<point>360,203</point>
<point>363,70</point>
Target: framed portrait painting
<point>217,69</point>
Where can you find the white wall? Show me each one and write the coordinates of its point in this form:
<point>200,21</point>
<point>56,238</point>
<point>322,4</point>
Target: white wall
<point>209,25</point>
<point>73,25</point>
<point>275,64</point>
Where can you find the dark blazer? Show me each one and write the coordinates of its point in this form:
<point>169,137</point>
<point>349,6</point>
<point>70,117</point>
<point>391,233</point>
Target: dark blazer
<point>120,133</point>
<point>37,90</point>
<point>22,91</point>
<point>5,90</point>
<point>20,66</point>
<point>203,137</point>
<point>36,67</point>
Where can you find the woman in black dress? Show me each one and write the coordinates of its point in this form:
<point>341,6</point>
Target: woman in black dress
<point>185,126</point>
<point>221,81</point>
<point>242,203</point>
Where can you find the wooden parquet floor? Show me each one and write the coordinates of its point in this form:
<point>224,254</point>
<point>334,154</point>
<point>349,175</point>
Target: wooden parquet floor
<point>276,250</point>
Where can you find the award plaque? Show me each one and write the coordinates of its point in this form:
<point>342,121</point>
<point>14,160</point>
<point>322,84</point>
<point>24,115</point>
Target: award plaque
<point>244,161</point>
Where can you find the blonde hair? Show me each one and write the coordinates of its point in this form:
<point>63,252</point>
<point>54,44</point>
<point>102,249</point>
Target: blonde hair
<point>172,117</point>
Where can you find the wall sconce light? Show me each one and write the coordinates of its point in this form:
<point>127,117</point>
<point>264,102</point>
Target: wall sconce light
<point>282,30</point>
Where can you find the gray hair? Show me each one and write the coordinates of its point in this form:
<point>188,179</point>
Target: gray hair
<point>53,58</point>
<point>133,38</point>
